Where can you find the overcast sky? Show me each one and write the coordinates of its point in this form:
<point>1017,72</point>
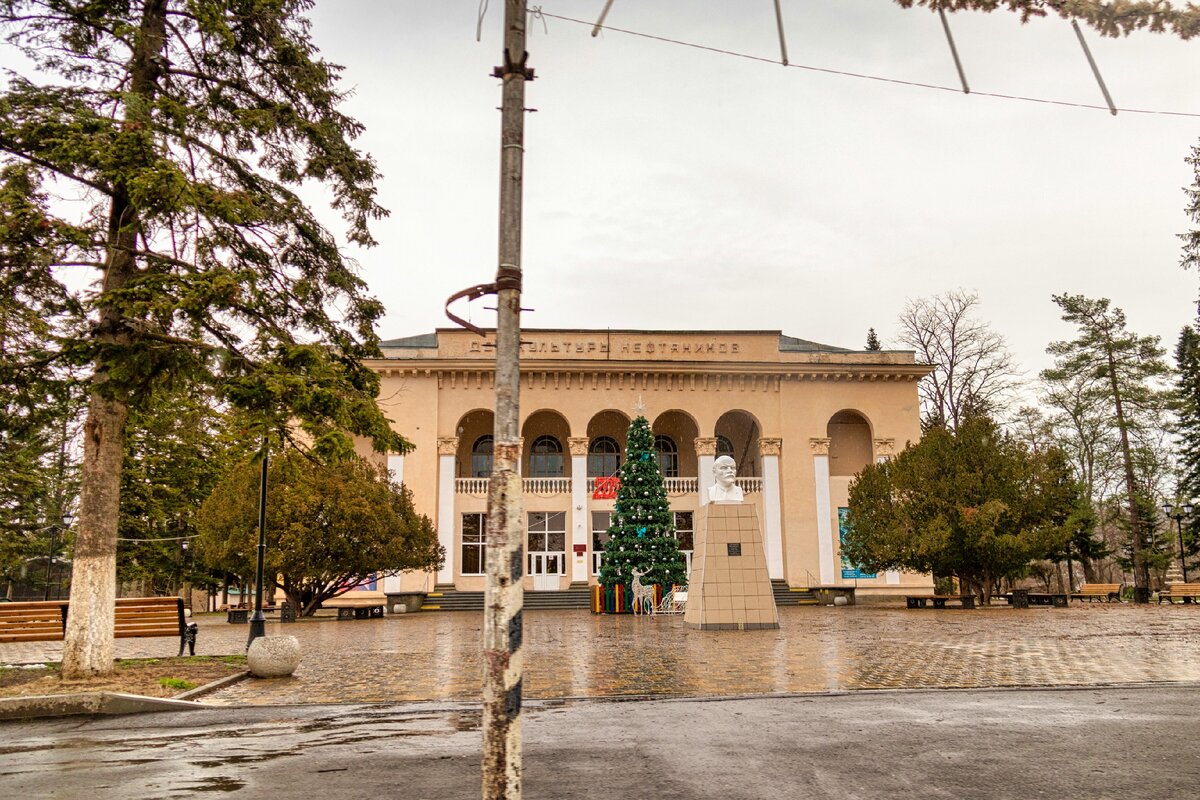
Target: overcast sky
<point>669,187</point>
<point>673,188</point>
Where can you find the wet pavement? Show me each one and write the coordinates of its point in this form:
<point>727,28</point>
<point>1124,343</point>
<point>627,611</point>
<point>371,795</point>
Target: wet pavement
<point>575,654</point>
<point>983,744</point>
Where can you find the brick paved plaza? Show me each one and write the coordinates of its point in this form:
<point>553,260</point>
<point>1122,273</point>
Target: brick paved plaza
<point>435,656</point>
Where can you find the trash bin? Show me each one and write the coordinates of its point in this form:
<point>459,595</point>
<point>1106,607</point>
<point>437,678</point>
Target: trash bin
<point>1020,598</point>
<point>287,612</point>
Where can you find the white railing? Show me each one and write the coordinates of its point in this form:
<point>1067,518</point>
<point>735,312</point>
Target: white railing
<point>749,485</point>
<point>471,485</point>
<point>675,486</point>
<point>530,485</point>
<point>547,486</point>
<point>681,485</point>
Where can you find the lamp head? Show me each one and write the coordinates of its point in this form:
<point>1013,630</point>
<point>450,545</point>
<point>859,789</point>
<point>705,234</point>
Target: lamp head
<point>1167,508</point>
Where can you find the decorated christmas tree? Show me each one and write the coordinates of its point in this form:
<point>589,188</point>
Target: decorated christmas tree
<point>641,534</point>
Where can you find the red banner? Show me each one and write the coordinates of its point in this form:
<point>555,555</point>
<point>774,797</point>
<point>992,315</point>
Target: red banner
<point>606,488</point>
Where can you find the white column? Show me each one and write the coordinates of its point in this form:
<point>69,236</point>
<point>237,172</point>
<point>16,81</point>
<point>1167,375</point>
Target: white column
<point>884,449</point>
<point>706,454</point>
<point>769,449</point>
<point>579,509</point>
<point>395,465</point>
<point>447,447</point>
<point>820,449</point>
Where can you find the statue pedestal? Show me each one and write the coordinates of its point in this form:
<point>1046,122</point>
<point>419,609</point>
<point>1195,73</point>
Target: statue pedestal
<point>729,588</point>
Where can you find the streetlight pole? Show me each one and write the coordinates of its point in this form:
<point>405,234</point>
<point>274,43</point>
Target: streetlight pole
<point>258,622</point>
<point>1185,512</point>
<point>67,519</point>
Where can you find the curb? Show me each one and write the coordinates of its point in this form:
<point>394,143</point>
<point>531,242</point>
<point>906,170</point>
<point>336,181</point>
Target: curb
<point>208,688</point>
<point>111,703</point>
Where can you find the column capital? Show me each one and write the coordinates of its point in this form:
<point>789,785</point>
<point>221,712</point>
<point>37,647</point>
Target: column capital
<point>885,447</point>
<point>770,447</point>
<point>819,445</point>
<point>447,445</point>
<point>706,445</point>
<point>578,445</point>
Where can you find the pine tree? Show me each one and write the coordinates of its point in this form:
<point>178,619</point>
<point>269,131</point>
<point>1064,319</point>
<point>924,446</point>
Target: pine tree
<point>873,340</point>
<point>642,533</point>
<point>1187,359</point>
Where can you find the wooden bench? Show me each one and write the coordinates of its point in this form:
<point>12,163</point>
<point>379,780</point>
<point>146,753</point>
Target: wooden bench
<point>939,600</point>
<point>1188,592</point>
<point>44,621</point>
<point>355,607</point>
<point>1105,592</point>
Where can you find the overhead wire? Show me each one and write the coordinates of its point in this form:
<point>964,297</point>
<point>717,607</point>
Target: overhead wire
<point>863,76</point>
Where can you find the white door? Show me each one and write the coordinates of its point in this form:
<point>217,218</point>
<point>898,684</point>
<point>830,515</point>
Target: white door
<point>546,568</point>
<point>547,549</point>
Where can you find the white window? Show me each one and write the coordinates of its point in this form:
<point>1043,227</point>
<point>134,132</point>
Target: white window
<point>684,530</point>
<point>546,458</point>
<point>474,544</point>
<point>600,522</point>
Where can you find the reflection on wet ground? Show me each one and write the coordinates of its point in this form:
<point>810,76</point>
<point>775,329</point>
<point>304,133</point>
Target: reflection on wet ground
<point>436,656</point>
<point>573,654</point>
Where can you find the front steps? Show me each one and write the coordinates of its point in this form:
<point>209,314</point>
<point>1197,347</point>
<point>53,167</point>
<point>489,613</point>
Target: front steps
<point>447,598</point>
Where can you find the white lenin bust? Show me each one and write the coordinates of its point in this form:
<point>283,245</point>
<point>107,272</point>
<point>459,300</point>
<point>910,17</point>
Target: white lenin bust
<point>724,490</point>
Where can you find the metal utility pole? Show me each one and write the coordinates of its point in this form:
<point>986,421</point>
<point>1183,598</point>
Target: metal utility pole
<point>258,622</point>
<point>502,624</point>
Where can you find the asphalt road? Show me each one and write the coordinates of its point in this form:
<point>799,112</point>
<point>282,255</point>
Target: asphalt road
<point>1124,742</point>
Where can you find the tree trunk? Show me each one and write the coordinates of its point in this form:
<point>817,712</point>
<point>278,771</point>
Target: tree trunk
<point>88,638</point>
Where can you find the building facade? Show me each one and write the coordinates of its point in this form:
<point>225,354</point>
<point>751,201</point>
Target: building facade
<point>799,418</point>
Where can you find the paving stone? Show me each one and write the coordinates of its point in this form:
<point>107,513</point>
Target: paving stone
<point>436,656</point>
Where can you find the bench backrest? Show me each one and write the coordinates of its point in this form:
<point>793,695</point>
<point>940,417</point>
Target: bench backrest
<point>42,621</point>
<point>149,616</point>
<point>1184,589</point>
<point>1099,588</point>
<point>37,621</point>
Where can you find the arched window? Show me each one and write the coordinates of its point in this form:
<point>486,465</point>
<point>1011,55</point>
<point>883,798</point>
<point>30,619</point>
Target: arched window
<point>725,447</point>
<point>546,458</point>
<point>481,457</point>
<point>668,456</point>
<point>604,457</point>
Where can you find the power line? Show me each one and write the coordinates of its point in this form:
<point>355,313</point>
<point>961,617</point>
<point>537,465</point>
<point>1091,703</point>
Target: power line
<point>861,75</point>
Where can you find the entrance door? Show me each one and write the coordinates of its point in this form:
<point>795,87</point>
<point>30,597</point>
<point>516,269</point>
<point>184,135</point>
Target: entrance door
<point>547,549</point>
<point>545,569</point>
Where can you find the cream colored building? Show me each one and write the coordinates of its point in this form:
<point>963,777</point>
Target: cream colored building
<point>800,419</point>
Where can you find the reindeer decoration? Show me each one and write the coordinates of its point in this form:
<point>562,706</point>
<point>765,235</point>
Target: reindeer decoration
<point>643,595</point>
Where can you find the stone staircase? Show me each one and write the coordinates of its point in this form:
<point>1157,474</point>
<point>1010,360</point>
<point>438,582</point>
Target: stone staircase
<point>788,596</point>
<point>447,598</point>
<point>579,596</point>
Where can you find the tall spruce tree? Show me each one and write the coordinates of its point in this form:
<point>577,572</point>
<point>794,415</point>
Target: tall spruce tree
<point>1187,360</point>
<point>1125,370</point>
<point>641,535</point>
<point>187,126</point>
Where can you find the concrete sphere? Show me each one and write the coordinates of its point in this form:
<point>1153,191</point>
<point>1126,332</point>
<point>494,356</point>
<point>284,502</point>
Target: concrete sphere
<point>273,656</point>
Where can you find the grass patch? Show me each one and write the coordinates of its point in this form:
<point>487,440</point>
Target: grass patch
<point>176,683</point>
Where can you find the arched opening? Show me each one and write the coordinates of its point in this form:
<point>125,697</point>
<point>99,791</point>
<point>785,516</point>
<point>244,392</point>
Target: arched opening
<point>545,433</point>
<point>681,429</point>
<point>481,456</point>
<point>604,457</point>
<point>546,457</point>
<point>740,432</point>
<point>606,431</point>
<point>474,432</point>
<point>849,443</point>
<point>668,455</point>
